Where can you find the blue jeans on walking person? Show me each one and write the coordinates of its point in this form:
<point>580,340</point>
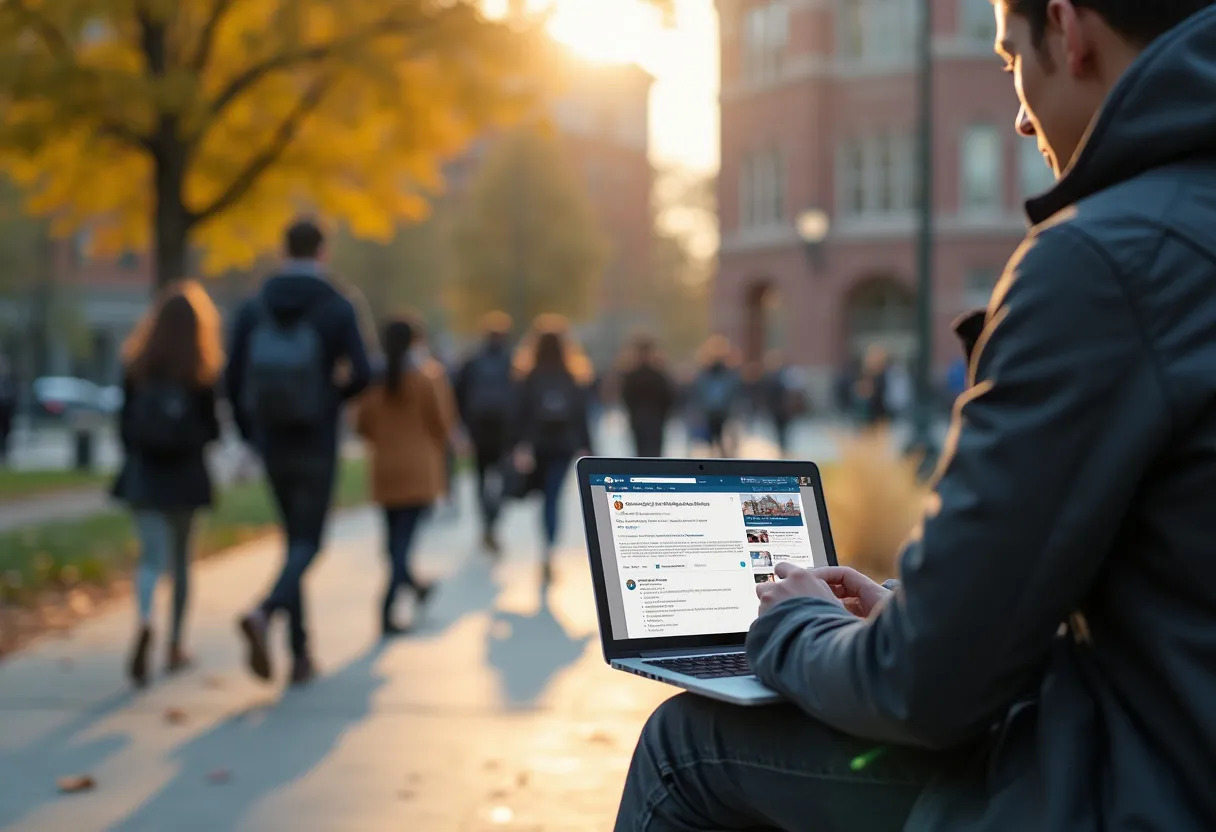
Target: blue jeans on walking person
<point>303,488</point>
<point>402,525</point>
<point>552,470</point>
<point>164,540</point>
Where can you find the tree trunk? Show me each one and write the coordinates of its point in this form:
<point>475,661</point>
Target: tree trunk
<point>171,224</point>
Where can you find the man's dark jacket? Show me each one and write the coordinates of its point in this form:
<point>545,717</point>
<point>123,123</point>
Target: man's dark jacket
<point>288,297</point>
<point>1078,489</point>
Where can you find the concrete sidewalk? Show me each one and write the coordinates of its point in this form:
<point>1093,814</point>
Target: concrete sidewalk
<point>498,714</point>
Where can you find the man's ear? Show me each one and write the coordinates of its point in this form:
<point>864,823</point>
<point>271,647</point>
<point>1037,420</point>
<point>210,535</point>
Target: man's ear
<point>1065,22</point>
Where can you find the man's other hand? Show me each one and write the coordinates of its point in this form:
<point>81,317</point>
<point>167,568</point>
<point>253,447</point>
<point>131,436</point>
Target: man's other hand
<point>840,584</point>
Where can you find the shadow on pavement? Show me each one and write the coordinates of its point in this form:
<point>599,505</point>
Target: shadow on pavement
<point>259,751</point>
<point>527,651</point>
<point>28,774</point>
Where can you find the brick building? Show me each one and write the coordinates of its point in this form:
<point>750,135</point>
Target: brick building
<point>819,108</point>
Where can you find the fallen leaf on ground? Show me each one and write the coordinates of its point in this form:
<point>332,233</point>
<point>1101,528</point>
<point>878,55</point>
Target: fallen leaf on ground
<point>175,716</point>
<point>521,779</point>
<point>499,794</point>
<point>407,794</point>
<point>492,765</point>
<point>76,783</point>
<point>600,738</point>
<point>220,775</point>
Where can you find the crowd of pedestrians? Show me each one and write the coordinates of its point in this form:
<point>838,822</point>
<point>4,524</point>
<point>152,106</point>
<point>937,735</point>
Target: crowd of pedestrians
<point>300,350</point>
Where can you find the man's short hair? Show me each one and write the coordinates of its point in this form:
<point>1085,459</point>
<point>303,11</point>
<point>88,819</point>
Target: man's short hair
<point>1140,21</point>
<point>496,324</point>
<point>304,240</point>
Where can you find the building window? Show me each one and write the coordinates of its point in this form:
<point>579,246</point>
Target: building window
<point>876,175</point>
<point>977,287</point>
<point>1034,174</point>
<point>977,22</point>
<point>762,189</point>
<point>982,168</point>
<point>765,37</point>
<point>878,31</point>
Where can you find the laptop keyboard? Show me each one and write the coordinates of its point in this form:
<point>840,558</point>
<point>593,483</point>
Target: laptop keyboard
<point>717,666</point>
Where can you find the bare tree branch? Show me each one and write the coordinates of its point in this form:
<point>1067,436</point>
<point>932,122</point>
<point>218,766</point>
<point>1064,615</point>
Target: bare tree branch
<point>279,141</point>
<point>206,38</point>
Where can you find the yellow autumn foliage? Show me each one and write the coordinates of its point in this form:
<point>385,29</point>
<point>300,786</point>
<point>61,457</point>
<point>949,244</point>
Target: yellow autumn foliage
<point>210,123</point>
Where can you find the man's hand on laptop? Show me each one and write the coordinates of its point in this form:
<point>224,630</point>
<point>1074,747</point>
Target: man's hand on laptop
<point>839,584</point>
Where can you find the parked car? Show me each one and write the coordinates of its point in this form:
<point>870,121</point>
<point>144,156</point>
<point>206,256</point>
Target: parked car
<point>61,397</point>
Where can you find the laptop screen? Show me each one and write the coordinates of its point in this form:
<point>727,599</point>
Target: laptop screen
<point>682,555</point>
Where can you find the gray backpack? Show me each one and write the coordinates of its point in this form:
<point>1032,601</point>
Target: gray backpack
<point>285,380</point>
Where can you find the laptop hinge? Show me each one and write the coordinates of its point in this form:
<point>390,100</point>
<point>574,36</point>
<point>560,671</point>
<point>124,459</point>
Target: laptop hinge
<point>689,651</point>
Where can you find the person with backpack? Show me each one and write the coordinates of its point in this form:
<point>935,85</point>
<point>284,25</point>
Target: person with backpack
<point>551,427</point>
<point>716,393</point>
<point>172,364</point>
<point>485,396</point>
<point>649,397</point>
<point>407,419</point>
<point>287,345</point>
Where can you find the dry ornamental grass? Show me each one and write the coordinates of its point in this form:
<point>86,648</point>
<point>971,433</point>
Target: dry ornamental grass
<point>874,500</point>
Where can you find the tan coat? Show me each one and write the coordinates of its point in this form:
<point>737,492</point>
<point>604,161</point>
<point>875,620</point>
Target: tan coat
<point>407,437</point>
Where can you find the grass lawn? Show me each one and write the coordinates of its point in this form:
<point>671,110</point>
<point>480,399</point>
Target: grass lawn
<point>17,484</point>
<point>98,548</point>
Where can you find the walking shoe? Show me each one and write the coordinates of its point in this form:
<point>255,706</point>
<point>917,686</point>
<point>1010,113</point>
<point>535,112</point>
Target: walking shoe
<point>389,629</point>
<point>423,593</point>
<point>303,670</point>
<point>253,628</point>
<point>139,657</point>
<point>178,660</point>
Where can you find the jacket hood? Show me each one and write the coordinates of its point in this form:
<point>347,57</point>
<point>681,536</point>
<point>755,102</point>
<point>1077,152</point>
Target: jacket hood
<point>1163,110</point>
<point>289,296</point>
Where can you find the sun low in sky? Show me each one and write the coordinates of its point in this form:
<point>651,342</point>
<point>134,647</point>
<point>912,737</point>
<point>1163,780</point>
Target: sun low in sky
<point>683,58</point>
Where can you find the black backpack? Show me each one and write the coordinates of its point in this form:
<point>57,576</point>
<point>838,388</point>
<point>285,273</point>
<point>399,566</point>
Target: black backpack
<point>555,402</point>
<point>162,420</point>
<point>285,380</point>
<point>489,387</point>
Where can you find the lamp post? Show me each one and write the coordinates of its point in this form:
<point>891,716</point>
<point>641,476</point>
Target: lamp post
<point>813,226</point>
<point>922,425</point>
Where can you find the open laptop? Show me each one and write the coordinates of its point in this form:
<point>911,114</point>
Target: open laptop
<point>677,548</point>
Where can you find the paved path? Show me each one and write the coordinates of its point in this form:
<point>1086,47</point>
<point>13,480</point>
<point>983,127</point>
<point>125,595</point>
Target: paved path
<point>62,506</point>
<point>498,714</point>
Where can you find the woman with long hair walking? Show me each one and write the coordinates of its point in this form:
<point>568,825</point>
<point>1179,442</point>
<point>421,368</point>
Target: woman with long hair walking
<point>551,423</point>
<point>407,419</point>
<point>172,363</point>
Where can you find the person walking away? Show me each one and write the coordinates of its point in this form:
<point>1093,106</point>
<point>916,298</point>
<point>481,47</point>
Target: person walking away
<point>901,390</point>
<point>717,391</point>
<point>551,427</point>
<point>784,397</point>
<point>287,345</point>
<point>648,394</point>
<point>172,363</point>
<point>485,398</point>
<point>871,390</point>
<point>8,407</point>
<point>406,418</point>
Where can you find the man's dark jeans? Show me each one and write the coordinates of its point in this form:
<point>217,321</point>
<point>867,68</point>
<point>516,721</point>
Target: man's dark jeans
<point>705,765</point>
<point>303,488</point>
<point>489,443</point>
